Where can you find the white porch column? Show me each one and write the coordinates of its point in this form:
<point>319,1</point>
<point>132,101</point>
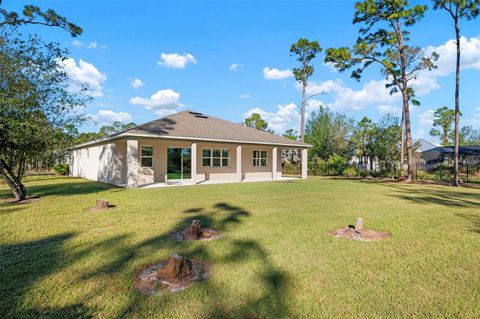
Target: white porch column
<point>132,163</point>
<point>193,159</point>
<point>304,163</point>
<point>274,163</point>
<point>239,163</point>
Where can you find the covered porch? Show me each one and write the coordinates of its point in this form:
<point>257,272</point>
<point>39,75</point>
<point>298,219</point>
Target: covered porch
<point>157,162</point>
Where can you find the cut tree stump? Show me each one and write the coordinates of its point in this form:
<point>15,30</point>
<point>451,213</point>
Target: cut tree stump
<point>196,227</point>
<point>358,232</point>
<point>102,204</point>
<point>195,232</point>
<point>359,224</point>
<point>177,268</point>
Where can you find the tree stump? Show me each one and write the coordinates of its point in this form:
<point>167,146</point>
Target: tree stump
<point>196,227</point>
<point>102,204</point>
<point>176,268</point>
<point>359,225</point>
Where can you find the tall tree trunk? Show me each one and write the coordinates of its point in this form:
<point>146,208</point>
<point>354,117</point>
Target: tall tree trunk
<point>302,124</point>
<point>14,182</point>
<point>457,107</point>
<point>408,135</point>
<point>402,142</point>
<point>445,138</point>
<point>406,109</point>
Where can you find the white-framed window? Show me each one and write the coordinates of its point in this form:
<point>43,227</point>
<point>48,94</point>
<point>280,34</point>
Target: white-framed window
<point>216,157</point>
<point>259,158</point>
<point>146,156</point>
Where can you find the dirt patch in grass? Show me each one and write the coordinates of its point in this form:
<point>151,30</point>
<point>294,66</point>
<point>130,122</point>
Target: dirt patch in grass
<point>357,232</point>
<point>366,234</point>
<point>171,275</point>
<point>195,232</point>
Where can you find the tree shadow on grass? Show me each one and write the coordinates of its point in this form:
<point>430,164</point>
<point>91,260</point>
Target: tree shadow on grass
<point>435,195</point>
<point>61,189</point>
<point>67,189</point>
<point>25,264</point>
<point>219,218</point>
<point>22,265</point>
<point>7,208</point>
<point>474,219</point>
<point>272,282</point>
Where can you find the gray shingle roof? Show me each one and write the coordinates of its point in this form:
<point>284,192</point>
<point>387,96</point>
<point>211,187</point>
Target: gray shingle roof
<point>197,126</point>
<point>425,145</point>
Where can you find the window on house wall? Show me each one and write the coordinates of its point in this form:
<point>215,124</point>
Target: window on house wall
<point>259,158</point>
<point>216,157</point>
<point>147,156</point>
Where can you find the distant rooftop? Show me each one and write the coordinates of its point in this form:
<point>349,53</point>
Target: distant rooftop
<point>425,145</point>
<point>465,150</point>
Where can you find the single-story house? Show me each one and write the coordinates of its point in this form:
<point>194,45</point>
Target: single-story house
<point>184,148</point>
<point>444,154</point>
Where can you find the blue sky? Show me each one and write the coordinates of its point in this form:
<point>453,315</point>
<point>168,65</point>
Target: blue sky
<point>231,58</point>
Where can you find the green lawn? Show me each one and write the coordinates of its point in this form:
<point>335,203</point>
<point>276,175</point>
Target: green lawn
<point>276,259</point>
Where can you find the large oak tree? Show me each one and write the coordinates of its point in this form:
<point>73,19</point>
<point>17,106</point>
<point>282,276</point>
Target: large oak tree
<point>36,105</point>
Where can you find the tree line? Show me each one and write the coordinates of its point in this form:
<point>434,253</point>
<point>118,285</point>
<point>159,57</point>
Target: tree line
<point>384,39</point>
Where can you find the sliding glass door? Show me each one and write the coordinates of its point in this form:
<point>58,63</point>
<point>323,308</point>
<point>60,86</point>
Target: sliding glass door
<point>179,163</point>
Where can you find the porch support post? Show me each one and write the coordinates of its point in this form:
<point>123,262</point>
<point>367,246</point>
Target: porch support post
<point>194,162</point>
<point>239,163</point>
<point>274,163</point>
<point>304,163</point>
<point>132,163</point>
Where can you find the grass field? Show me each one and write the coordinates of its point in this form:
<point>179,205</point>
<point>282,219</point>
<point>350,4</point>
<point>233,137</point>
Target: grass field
<point>276,259</point>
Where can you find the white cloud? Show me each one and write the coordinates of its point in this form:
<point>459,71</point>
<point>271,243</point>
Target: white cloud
<point>426,118</point>
<point>235,67</point>
<point>77,43</point>
<point>470,59</point>
<point>175,60</point>
<point>276,74</point>
<point>470,55</point>
<point>94,45</point>
<point>286,117</point>
<point>385,109</point>
<point>312,106</point>
<point>473,120</point>
<point>245,96</point>
<point>107,116</point>
<point>136,83</point>
<point>348,99</point>
<point>84,73</point>
<point>91,45</point>
<point>162,101</point>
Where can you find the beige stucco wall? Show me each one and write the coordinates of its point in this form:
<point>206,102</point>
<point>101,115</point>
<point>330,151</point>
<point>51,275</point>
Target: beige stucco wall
<point>213,173</point>
<point>108,162</point>
<point>104,163</point>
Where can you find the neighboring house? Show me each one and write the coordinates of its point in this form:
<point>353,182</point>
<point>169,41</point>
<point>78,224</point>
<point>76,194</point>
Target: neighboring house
<point>430,153</point>
<point>184,148</point>
<point>444,154</point>
<point>364,163</point>
<point>422,145</point>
